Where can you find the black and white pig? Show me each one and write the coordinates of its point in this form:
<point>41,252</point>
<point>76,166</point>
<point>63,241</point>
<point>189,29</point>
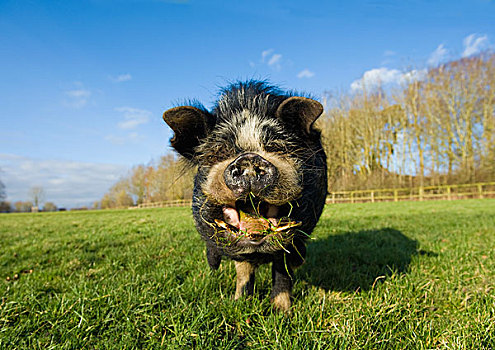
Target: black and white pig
<point>261,179</point>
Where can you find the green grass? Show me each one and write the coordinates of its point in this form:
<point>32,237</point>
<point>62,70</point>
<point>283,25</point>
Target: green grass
<point>415,275</point>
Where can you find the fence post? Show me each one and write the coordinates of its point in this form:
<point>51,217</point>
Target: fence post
<point>396,196</point>
<point>333,198</point>
<point>480,190</point>
<point>352,197</point>
<point>449,195</point>
<point>372,196</point>
<point>421,193</point>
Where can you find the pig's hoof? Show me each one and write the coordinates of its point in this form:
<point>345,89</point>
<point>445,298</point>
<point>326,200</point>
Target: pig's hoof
<point>281,302</point>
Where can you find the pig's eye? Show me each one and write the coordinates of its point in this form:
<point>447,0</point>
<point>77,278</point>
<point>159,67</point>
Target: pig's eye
<point>211,158</point>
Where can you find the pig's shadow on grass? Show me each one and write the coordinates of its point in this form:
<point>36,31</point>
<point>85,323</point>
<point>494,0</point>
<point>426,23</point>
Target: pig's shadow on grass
<point>355,260</point>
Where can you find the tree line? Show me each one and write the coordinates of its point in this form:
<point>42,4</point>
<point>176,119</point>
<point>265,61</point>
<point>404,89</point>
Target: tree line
<point>436,130</point>
<point>37,195</point>
<point>432,130</point>
<point>164,180</point>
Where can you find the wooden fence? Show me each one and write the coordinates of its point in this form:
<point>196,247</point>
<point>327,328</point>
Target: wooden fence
<point>164,204</point>
<point>443,192</point>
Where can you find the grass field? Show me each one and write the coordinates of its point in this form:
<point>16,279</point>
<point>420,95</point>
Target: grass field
<point>407,275</point>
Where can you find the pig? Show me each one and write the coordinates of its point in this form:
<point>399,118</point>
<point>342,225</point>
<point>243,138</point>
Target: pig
<point>261,180</point>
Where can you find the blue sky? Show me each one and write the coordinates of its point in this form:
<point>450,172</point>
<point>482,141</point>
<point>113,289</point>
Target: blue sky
<point>83,84</point>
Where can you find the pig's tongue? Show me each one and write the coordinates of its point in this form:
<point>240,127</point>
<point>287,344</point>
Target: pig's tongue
<point>231,216</point>
<point>250,223</point>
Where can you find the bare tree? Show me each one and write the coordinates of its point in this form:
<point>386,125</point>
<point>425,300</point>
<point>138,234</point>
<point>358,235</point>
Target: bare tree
<point>37,195</point>
<point>49,206</point>
<point>138,183</point>
<point>435,130</point>
<point>118,196</point>
<point>5,206</point>
<point>3,194</point>
<point>23,207</point>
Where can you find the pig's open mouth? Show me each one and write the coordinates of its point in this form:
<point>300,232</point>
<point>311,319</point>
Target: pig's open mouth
<point>254,220</point>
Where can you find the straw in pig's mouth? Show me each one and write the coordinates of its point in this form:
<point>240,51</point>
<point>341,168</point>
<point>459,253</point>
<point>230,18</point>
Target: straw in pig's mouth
<point>254,220</point>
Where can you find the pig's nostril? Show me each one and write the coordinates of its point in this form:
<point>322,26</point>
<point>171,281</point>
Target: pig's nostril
<point>250,173</point>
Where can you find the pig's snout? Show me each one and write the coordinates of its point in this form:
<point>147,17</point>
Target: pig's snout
<point>250,173</point>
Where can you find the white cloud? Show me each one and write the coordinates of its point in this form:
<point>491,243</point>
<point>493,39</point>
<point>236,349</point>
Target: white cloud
<point>389,53</point>
<point>306,73</point>
<point>271,59</point>
<point>413,75</point>
<point>79,93</point>
<point>384,76</point>
<point>133,117</point>
<point>275,59</point>
<point>121,78</point>
<point>376,77</point>
<point>66,183</point>
<point>438,55</point>
<point>265,54</point>
<point>474,44</point>
<point>78,97</point>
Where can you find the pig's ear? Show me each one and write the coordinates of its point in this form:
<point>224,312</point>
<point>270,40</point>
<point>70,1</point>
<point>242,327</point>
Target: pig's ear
<point>300,112</point>
<point>190,126</point>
